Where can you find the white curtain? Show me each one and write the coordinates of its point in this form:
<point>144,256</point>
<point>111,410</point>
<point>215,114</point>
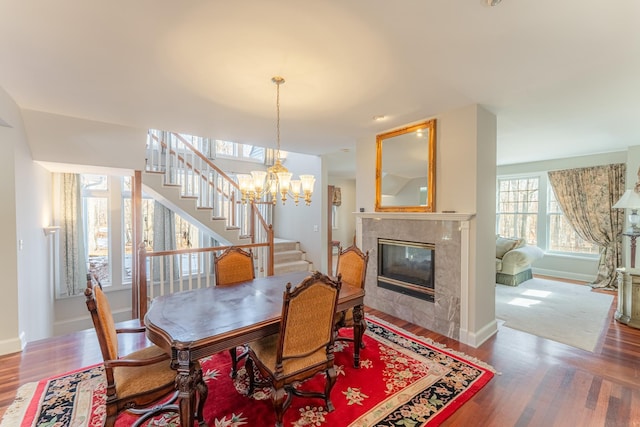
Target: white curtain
<point>269,157</point>
<point>74,256</point>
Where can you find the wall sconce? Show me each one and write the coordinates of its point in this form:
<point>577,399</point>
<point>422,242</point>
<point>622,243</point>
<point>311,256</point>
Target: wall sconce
<point>52,229</point>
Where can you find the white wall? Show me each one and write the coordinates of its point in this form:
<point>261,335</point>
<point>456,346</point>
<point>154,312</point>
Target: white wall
<point>465,183</point>
<point>299,222</point>
<point>35,262</point>
<point>346,219</point>
<point>10,139</point>
<point>26,306</point>
<point>69,140</point>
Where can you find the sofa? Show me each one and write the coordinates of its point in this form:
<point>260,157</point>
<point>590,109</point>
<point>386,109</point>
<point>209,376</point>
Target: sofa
<point>513,260</point>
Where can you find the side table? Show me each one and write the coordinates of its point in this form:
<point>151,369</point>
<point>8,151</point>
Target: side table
<point>628,311</point>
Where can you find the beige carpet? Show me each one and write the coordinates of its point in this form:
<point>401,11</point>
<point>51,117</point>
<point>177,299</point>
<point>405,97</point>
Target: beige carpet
<point>563,312</point>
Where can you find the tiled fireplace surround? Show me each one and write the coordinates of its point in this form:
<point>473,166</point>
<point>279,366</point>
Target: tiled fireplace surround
<point>450,235</point>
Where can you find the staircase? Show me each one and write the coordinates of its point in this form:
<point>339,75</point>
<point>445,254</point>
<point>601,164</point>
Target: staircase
<point>289,258</point>
<point>187,207</point>
<point>181,177</point>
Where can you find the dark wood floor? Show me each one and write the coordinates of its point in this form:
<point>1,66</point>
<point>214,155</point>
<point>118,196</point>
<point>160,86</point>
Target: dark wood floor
<point>540,382</point>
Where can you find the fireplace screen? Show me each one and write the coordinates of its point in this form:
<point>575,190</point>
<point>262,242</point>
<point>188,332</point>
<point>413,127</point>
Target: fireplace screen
<point>406,267</point>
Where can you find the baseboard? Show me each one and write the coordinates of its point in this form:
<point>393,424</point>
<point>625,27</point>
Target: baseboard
<point>12,345</point>
<point>564,275</point>
<point>76,324</point>
<point>476,339</point>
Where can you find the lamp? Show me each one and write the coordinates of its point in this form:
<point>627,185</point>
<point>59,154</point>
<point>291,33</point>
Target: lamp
<point>52,229</point>
<point>277,178</point>
<point>630,200</point>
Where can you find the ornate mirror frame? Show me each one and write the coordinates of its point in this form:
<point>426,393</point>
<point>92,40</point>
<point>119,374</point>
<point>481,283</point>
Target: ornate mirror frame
<point>405,165</point>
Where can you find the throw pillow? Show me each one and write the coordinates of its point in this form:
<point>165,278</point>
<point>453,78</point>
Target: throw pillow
<point>504,245</point>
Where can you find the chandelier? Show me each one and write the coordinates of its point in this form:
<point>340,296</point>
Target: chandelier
<point>276,180</point>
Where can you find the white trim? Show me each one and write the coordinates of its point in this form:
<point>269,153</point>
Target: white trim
<point>477,339</point>
<point>11,345</point>
<point>464,282</point>
<point>79,323</point>
<point>439,216</point>
<point>564,274</point>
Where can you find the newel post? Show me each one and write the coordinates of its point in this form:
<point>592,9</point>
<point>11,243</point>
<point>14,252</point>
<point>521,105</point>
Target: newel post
<point>141,283</point>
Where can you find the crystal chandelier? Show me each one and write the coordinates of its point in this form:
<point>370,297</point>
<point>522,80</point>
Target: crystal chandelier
<point>277,178</point>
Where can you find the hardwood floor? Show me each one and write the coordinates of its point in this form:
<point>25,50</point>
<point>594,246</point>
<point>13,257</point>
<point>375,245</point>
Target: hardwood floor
<point>539,382</point>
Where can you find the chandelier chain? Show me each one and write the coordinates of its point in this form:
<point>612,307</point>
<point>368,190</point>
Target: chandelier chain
<point>278,177</point>
<point>278,117</point>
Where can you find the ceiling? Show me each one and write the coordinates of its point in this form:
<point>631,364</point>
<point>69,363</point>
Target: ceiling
<point>562,77</point>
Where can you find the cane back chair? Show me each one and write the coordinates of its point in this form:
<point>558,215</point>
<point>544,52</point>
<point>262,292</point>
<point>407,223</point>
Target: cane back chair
<point>302,348</point>
<point>233,266</point>
<point>135,382</point>
<point>352,268</point>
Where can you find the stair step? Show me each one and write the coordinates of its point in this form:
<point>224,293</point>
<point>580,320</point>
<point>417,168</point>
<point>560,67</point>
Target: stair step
<point>289,267</point>
<point>281,257</point>
<point>281,245</point>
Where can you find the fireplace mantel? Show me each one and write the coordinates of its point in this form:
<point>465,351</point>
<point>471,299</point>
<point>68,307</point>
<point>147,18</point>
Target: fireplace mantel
<point>439,216</point>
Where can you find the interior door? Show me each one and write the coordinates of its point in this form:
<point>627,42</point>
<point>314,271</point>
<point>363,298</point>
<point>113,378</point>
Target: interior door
<point>330,229</point>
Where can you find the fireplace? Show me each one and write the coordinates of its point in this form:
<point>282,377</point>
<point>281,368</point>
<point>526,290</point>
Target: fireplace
<point>407,267</point>
<point>449,232</point>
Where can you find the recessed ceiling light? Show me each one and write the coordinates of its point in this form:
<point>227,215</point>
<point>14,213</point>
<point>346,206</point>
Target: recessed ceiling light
<point>379,118</point>
<point>492,2</point>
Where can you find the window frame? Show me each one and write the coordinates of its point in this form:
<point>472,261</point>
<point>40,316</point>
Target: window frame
<point>238,152</point>
<point>543,228</point>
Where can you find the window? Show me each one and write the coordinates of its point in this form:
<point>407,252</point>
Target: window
<point>518,208</point>
<point>562,236</point>
<point>238,151</point>
<point>186,234</point>
<point>95,212</point>
<point>527,207</point>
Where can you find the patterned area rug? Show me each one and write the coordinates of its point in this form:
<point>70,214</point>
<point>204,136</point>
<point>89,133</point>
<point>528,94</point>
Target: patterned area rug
<point>403,380</point>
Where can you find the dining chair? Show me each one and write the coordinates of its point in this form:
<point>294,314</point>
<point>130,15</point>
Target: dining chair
<point>234,265</point>
<point>138,381</point>
<point>302,348</point>
<point>352,269</point>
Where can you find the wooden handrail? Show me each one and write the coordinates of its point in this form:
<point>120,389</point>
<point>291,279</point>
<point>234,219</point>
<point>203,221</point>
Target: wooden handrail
<point>198,171</point>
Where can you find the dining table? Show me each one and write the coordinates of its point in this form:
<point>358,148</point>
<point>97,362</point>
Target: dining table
<point>193,324</point>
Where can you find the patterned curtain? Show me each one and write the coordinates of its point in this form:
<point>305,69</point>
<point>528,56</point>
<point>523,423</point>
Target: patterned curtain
<point>337,196</point>
<point>74,262</point>
<point>586,196</point>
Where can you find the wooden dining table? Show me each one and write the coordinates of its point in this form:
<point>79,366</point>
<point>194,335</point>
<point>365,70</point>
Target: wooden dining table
<point>190,325</point>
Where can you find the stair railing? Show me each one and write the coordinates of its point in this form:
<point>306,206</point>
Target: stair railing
<point>166,272</point>
<point>184,164</point>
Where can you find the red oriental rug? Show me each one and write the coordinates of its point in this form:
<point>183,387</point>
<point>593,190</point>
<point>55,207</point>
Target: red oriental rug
<point>403,380</point>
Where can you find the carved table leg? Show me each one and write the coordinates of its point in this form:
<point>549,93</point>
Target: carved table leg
<point>358,330</point>
<point>185,383</point>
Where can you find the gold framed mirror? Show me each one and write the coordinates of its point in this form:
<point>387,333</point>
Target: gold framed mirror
<point>406,169</point>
